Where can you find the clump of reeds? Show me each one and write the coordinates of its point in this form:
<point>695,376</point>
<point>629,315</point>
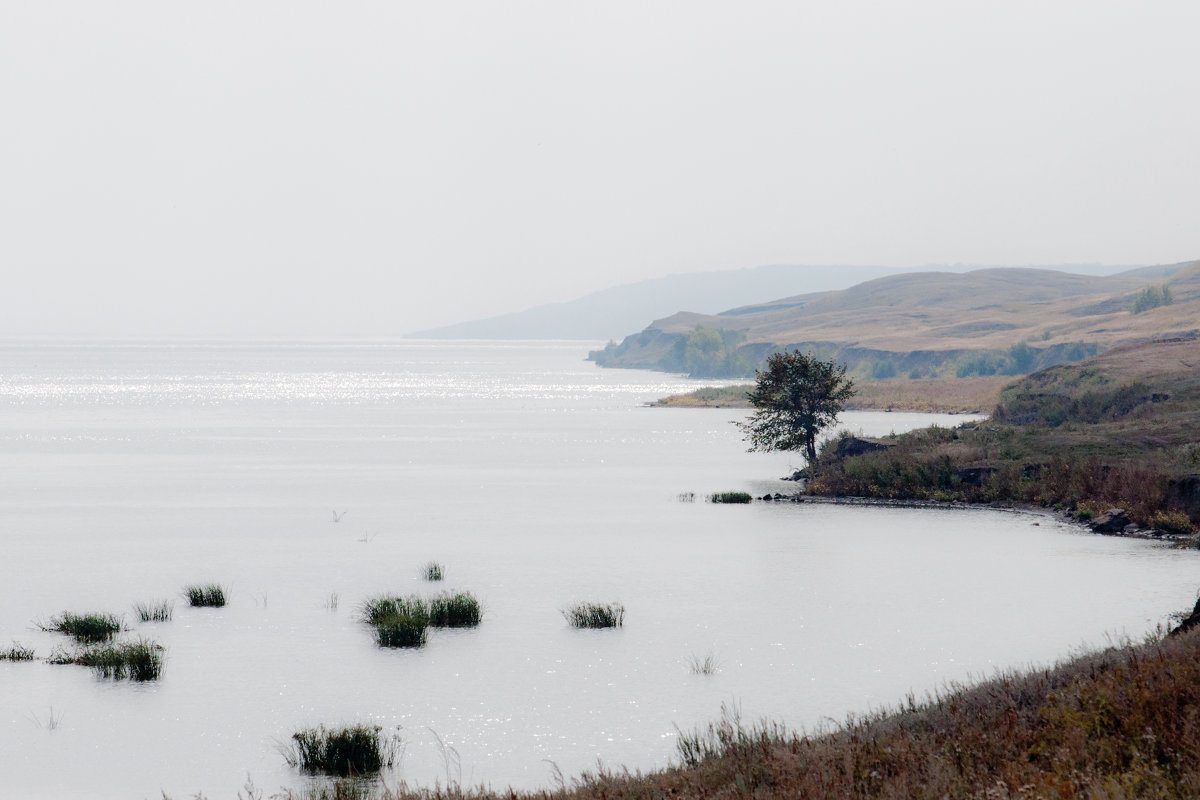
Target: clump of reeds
<point>398,621</point>
<point>458,610</point>
<point>687,497</point>
<point>433,571</point>
<point>159,611</point>
<point>208,595</point>
<point>352,750</point>
<point>708,665</point>
<point>730,497</point>
<point>17,653</point>
<point>138,661</point>
<point>595,615</point>
<point>61,655</point>
<point>85,628</point>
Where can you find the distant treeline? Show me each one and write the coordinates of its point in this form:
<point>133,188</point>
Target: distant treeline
<point>722,353</point>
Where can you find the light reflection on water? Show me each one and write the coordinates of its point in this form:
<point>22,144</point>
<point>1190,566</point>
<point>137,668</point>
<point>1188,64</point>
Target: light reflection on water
<point>127,472</point>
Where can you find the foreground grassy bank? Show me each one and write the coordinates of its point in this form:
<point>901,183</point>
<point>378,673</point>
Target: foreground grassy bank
<point>1118,430</point>
<point>1124,722</point>
<point>933,395</point>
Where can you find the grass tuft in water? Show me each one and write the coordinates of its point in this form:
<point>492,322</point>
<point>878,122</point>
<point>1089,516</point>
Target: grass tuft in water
<point>159,611</point>
<point>209,595</point>
<point>708,665</point>
<point>730,497</point>
<point>398,621</point>
<point>458,610</point>
<point>595,615</point>
<point>353,750</point>
<point>138,661</point>
<point>433,571</point>
<point>85,628</point>
<point>17,653</point>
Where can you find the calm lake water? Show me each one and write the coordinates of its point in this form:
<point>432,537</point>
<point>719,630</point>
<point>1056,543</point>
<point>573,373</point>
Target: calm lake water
<point>128,471</point>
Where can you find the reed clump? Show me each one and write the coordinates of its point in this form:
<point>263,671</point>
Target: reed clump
<point>85,628</point>
<point>730,497</point>
<point>398,621</point>
<point>158,611</point>
<point>207,595</point>
<point>457,610</point>
<point>595,615</point>
<point>433,571</point>
<point>351,750</point>
<point>17,652</point>
<point>141,660</point>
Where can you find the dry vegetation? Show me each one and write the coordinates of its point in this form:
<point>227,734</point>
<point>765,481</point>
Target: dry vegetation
<point>1116,724</point>
<point>1119,430</point>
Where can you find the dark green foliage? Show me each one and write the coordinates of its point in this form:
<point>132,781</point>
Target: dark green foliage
<point>882,369</point>
<point>17,653</point>
<point>983,362</point>
<point>795,397</point>
<point>595,615</point>
<point>1021,359</point>
<point>707,353</point>
<point>159,611</point>
<point>1151,297</point>
<point>85,628</point>
<point>377,609</point>
<point>1022,406</point>
<point>353,750</point>
<point>459,610</point>
<point>730,497</point>
<point>138,661</point>
<point>398,621</point>
<point>402,630</point>
<point>209,595</point>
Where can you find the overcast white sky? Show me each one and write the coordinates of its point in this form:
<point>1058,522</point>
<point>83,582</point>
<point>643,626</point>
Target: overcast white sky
<point>370,168</point>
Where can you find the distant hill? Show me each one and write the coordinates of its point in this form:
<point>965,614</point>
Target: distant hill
<point>611,313</point>
<point>983,322</point>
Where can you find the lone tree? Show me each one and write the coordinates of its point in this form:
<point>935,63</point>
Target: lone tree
<point>795,397</point>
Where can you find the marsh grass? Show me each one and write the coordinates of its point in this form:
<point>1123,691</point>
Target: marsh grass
<point>708,665</point>
<point>160,611</point>
<point>687,497</point>
<point>457,610</point>
<point>433,571</point>
<point>85,628</point>
<point>138,661</point>
<point>730,497</point>
<point>61,655</point>
<point>352,750</point>
<point>17,653</point>
<point>595,615</point>
<point>208,595</point>
<point>402,630</point>
<point>398,621</point>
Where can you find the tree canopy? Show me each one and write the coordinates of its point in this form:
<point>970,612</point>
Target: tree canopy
<point>795,396</point>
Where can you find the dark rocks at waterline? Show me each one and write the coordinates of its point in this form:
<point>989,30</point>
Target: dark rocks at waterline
<point>784,498</point>
<point>1114,520</point>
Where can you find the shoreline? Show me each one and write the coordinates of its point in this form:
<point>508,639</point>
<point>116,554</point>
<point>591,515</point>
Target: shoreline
<point>1012,508</point>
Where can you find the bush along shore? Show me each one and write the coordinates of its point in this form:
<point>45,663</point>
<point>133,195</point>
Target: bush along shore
<point>1110,441</point>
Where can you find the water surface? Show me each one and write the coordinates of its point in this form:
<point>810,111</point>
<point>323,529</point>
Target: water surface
<point>128,470</point>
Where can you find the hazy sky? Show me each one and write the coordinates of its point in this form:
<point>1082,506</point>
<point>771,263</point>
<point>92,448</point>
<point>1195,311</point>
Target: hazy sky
<point>371,168</point>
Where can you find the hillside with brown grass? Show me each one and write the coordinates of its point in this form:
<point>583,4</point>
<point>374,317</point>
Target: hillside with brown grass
<point>1119,430</point>
<point>934,324</point>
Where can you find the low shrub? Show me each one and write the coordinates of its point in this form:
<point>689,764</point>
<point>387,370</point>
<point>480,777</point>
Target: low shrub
<point>595,615</point>
<point>1171,522</point>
